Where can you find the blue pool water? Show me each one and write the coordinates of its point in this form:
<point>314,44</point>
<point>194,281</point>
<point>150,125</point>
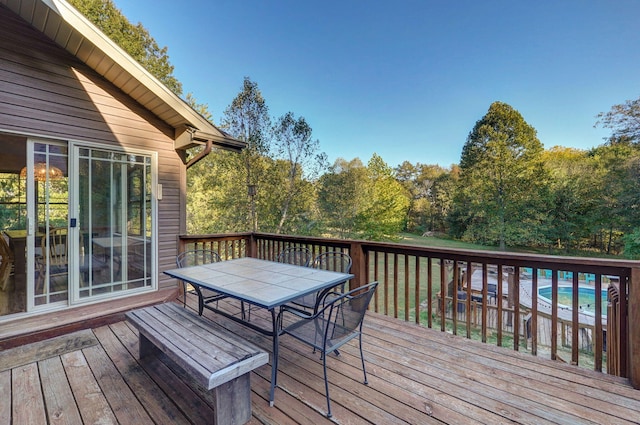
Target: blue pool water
<point>586,297</point>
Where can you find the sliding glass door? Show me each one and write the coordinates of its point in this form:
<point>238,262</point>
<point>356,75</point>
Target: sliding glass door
<point>90,224</point>
<point>114,210</point>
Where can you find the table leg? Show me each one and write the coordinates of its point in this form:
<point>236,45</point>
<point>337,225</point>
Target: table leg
<point>274,363</point>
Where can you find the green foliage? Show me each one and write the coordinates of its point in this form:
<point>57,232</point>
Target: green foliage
<point>294,143</point>
<point>618,205</point>
<point>431,190</point>
<point>383,213</point>
<point>506,191</point>
<point>247,119</point>
<point>340,192</point>
<point>623,119</point>
<point>632,244</point>
<point>501,177</point>
<point>134,39</point>
<point>13,200</point>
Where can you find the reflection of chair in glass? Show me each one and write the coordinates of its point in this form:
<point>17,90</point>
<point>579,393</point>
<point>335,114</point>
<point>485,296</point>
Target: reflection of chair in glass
<point>55,260</point>
<point>337,321</point>
<point>300,256</point>
<point>194,258</point>
<point>332,260</point>
<point>6,263</point>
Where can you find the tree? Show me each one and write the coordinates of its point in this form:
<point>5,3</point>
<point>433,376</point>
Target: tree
<point>247,119</point>
<point>340,196</point>
<point>623,119</point>
<point>294,143</point>
<point>617,205</point>
<point>133,39</point>
<point>383,213</point>
<point>430,195</point>
<point>501,176</point>
<point>572,196</point>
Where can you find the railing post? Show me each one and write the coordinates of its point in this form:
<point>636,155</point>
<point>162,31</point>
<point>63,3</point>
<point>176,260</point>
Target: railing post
<point>358,266</point>
<point>181,245</point>
<point>633,326</point>
<point>252,246</point>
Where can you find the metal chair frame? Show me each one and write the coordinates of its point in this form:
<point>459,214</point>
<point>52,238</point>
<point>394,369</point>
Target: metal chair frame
<point>298,255</point>
<point>201,256</point>
<point>330,260</point>
<point>338,319</point>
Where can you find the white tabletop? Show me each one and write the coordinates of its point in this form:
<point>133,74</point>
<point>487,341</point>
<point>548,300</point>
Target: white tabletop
<point>264,283</point>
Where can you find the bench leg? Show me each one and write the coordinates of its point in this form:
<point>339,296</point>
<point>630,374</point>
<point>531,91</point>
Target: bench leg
<point>233,401</point>
<point>146,347</point>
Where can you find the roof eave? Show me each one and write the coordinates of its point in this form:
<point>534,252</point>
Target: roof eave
<point>68,28</point>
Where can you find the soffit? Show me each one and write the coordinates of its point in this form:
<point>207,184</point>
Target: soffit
<point>68,28</point>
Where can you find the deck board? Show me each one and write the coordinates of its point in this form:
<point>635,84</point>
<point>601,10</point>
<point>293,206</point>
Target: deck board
<point>92,402</point>
<point>58,396</point>
<point>5,400</point>
<point>26,396</point>
<point>416,376</point>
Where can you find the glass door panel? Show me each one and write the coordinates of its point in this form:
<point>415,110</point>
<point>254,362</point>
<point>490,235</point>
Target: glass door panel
<point>13,225</point>
<point>50,249</point>
<point>114,212</point>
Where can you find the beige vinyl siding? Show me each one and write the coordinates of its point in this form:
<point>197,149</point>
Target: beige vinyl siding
<point>47,92</point>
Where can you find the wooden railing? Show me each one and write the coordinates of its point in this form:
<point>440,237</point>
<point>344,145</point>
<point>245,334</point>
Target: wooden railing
<point>486,295</point>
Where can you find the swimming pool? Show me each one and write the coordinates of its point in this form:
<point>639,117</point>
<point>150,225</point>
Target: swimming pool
<point>586,297</point>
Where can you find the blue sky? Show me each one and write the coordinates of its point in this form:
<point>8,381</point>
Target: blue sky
<point>406,79</point>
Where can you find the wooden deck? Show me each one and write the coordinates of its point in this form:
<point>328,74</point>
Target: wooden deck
<point>416,376</point>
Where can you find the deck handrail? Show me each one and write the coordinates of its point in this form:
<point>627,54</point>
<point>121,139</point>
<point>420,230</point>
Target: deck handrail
<point>412,279</point>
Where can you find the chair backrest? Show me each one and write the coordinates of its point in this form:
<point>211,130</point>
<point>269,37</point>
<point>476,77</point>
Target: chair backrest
<point>6,261</point>
<point>56,247</point>
<point>300,256</point>
<point>345,312</point>
<point>196,257</point>
<point>333,260</point>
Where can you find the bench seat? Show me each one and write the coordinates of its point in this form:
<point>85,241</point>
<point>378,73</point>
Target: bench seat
<point>214,357</point>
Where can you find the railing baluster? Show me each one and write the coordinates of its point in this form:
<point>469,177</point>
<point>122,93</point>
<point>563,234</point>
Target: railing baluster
<point>534,312</point>
<point>429,291</point>
<point>516,312</point>
<point>395,285</point>
<point>575,320</point>
<point>416,295</point>
<point>554,314</point>
<point>499,306</point>
<point>598,325</point>
<point>376,277</point>
<point>443,295</point>
<point>406,288</point>
<point>386,283</point>
<point>485,301</point>
<point>468,298</point>
<point>515,297</point>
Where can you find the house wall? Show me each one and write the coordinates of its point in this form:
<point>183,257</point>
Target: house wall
<point>46,92</point>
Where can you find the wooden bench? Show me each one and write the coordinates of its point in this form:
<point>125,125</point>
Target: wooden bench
<point>215,358</point>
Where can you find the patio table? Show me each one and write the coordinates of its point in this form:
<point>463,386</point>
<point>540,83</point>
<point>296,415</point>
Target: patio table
<point>261,283</point>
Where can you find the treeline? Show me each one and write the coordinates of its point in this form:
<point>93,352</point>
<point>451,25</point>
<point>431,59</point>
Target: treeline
<point>507,190</point>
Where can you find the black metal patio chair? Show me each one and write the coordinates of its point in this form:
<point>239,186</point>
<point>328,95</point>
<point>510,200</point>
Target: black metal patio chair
<point>298,255</point>
<point>194,258</point>
<point>331,260</point>
<point>337,321</point>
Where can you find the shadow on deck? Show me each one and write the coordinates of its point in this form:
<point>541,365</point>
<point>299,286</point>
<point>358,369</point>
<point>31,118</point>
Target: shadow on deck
<point>416,376</point>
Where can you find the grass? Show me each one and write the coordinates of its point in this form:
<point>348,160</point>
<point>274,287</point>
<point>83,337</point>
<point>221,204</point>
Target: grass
<point>433,241</point>
<point>411,239</point>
